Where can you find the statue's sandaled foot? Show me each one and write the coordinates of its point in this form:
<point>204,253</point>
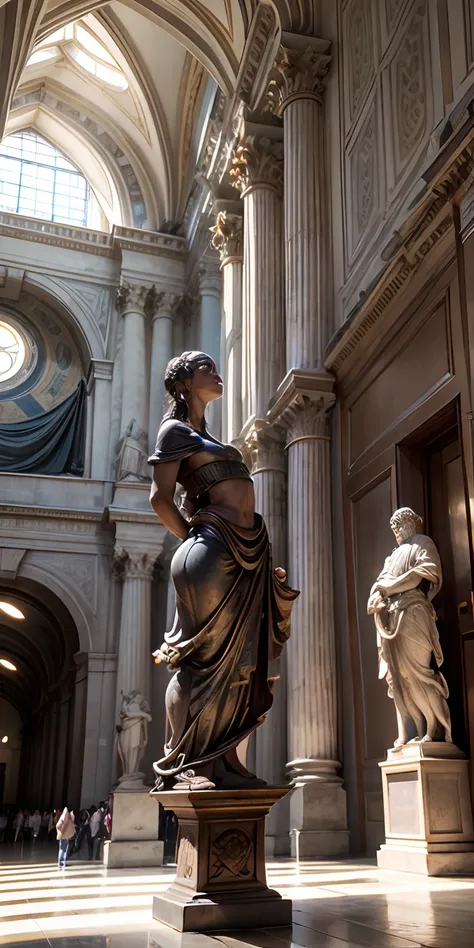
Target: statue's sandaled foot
<point>426,739</point>
<point>398,744</point>
<point>189,780</point>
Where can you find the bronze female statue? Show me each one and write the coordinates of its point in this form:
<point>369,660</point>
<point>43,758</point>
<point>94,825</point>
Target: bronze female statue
<point>233,608</point>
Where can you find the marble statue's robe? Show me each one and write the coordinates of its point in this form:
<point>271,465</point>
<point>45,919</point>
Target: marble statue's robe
<point>407,636</point>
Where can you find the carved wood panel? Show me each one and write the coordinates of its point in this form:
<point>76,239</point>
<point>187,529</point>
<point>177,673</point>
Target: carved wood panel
<point>422,365</point>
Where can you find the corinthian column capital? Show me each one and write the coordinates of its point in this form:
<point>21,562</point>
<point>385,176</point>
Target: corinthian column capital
<point>227,236</point>
<point>136,299</point>
<point>303,405</point>
<point>301,67</point>
<point>133,565</point>
<point>308,419</point>
<point>258,160</point>
<point>263,448</point>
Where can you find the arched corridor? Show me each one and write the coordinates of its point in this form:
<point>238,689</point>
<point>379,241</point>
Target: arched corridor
<point>43,684</point>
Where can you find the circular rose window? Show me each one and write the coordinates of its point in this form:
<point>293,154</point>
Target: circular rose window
<point>18,353</point>
<point>12,352</point>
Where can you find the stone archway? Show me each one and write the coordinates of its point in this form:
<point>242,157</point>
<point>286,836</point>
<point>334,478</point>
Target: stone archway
<point>47,687</point>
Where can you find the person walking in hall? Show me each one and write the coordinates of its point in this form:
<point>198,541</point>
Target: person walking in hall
<point>18,823</point>
<point>35,824</point>
<point>26,826</point>
<point>53,819</point>
<point>96,817</point>
<point>64,833</point>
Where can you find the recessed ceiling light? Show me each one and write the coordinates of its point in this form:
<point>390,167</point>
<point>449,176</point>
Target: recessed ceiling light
<point>5,739</point>
<point>6,664</point>
<point>11,610</point>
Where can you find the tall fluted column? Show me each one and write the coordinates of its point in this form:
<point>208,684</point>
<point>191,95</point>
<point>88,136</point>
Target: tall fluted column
<point>258,174</point>
<point>210,290</point>
<point>298,96</point>
<point>132,303</point>
<point>227,239</point>
<point>134,652</point>
<point>264,450</point>
<point>162,313</point>
<point>318,805</point>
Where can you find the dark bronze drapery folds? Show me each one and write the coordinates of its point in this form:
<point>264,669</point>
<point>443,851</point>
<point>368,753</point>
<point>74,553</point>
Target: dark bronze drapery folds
<point>234,618</point>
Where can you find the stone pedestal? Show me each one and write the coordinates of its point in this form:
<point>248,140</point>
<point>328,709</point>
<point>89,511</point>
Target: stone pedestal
<point>427,808</point>
<point>134,838</point>
<point>220,879</point>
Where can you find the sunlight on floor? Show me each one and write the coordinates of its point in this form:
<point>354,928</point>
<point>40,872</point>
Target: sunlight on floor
<point>336,905</point>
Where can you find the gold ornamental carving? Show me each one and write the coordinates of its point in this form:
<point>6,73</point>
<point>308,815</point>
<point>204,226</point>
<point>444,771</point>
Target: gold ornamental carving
<point>258,161</point>
<point>227,235</point>
<point>299,73</point>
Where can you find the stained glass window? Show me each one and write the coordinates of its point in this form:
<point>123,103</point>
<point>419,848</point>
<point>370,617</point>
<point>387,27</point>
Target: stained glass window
<point>38,181</point>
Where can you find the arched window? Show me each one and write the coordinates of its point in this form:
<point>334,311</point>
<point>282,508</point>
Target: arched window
<point>38,181</point>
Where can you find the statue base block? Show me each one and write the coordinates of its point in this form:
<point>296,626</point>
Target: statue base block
<point>427,809</point>
<point>220,878</point>
<point>134,839</point>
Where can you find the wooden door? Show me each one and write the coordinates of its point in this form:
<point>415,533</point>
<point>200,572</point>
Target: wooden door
<point>447,523</point>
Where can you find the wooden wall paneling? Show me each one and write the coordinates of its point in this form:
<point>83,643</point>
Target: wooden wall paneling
<point>353,631</point>
<point>422,364</point>
<point>371,542</point>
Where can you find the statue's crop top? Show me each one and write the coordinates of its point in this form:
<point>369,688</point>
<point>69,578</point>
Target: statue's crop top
<point>176,441</point>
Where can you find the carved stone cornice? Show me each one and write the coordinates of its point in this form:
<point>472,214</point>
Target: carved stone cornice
<point>302,405</point>
<point>258,55</point>
<point>301,65</point>
<point>258,160</point>
<point>263,448</point>
<point>227,237</point>
<point>133,565</point>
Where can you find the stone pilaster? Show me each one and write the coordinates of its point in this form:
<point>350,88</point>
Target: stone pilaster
<point>210,325</point>
<point>258,174</point>
<point>99,386</point>
<point>227,238</point>
<point>264,452</point>
<point>297,95</point>
<point>132,303</point>
<point>162,308</point>
<point>134,651</point>
<point>318,805</point>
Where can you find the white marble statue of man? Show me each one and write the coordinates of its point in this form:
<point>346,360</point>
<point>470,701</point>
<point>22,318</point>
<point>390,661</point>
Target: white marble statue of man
<point>132,732</point>
<point>407,637</point>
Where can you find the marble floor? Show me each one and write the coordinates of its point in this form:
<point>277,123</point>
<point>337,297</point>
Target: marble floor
<point>336,905</point>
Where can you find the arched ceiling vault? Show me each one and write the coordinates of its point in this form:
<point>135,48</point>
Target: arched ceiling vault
<point>141,137</point>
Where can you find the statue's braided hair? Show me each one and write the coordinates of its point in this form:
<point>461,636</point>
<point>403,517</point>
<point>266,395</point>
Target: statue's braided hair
<point>177,372</point>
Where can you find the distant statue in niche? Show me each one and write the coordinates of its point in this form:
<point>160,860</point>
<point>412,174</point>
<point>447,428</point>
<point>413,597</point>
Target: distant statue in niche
<point>132,736</point>
<point>132,454</point>
<point>407,637</point>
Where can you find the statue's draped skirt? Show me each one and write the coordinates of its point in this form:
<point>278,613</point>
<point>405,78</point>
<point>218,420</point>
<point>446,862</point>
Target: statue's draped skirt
<point>233,618</point>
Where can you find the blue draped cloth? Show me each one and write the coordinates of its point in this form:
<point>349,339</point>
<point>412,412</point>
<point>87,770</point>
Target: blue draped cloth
<point>50,443</point>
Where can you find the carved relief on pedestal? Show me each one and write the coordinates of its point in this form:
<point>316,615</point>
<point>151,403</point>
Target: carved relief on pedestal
<point>232,854</point>
<point>186,867</point>
<point>258,161</point>
<point>227,235</point>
